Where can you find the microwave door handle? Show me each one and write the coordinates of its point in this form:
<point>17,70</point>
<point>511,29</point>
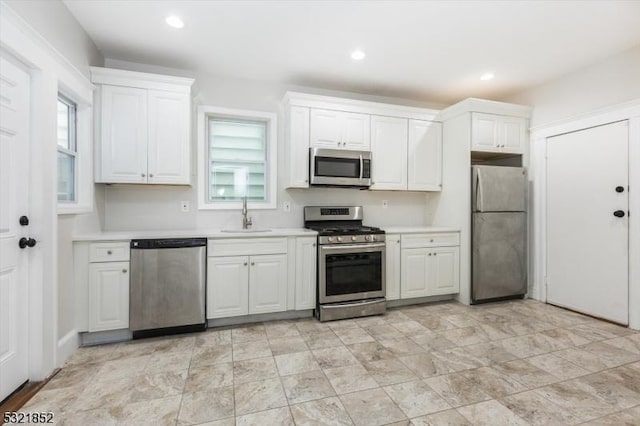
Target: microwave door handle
<point>361,166</point>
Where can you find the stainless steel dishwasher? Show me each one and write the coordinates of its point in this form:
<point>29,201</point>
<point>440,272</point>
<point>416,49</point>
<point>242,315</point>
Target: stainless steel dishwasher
<point>167,286</point>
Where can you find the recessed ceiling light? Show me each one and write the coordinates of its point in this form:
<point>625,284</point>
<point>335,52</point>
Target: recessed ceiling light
<point>174,21</point>
<point>487,76</point>
<point>358,55</point>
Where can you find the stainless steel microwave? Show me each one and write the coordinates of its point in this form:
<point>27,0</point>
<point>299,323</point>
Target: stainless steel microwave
<point>339,167</point>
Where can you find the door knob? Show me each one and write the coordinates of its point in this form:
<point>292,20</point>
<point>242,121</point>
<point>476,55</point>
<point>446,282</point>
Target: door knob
<point>619,188</point>
<point>619,213</point>
<point>26,242</point>
<point>24,220</point>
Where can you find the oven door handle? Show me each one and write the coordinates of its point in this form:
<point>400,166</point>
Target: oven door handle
<point>361,166</point>
<point>357,247</point>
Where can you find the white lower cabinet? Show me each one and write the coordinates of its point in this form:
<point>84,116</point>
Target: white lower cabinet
<point>306,259</point>
<point>267,283</point>
<point>392,266</point>
<point>430,270</point>
<point>227,286</point>
<point>108,296</point>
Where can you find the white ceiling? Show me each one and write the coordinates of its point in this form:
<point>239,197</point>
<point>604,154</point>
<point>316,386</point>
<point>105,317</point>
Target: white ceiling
<point>424,50</point>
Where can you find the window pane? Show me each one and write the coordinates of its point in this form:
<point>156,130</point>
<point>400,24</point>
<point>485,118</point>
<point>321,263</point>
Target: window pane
<point>66,173</point>
<point>237,160</point>
<point>63,125</point>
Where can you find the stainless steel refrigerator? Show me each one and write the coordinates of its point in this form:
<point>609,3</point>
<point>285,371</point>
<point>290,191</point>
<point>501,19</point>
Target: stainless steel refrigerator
<point>498,233</point>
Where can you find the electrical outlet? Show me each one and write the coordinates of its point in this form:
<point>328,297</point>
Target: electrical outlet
<point>184,206</point>
<point>385,204</point>
<point>286,207</point>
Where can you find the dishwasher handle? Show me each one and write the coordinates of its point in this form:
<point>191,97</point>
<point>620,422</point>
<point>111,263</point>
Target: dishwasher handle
<point>167,243</point>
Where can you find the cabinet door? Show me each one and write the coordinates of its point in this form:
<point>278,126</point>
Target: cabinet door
<point>393,266</point>
<point>227,286</point>
<point>108,296</point>
<point>513,132</point>
<point>123,135</point>
<point>169,142</point>
<point>389,153</point>
<point>298,144</point>
<point>415,272</point>
<point>306,256</point>
<point>425,156</point>
<point>268,284</point>
<point>356,131</point>
<point>325,129</point>
<point>484,132</point>
<point>445,270</point>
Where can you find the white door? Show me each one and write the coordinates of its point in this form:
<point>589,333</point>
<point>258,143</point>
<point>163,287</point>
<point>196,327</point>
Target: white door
<point>168,147</point>
<point>484,132</point>
<point>424,156</point>
<point>123,138</point>
<point>325,129</point>
<point>268,284</point>
<point>445,271</point>
<point>587,245</point>
<point>356,131</point>
<point>389,153</point>
<point>108,296</point>
<point>14,172</point>
<point>306,255</point>
<point>392,256</point>
<point>415,273</point>
<point>227,286</point>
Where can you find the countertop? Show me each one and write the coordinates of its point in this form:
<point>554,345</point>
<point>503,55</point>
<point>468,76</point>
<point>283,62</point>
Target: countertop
<point>417,229</point>
<point>192,233</point>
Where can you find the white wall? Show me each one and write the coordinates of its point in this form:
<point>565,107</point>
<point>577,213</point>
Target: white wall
<point>612,81</point>
<point>129,207</point>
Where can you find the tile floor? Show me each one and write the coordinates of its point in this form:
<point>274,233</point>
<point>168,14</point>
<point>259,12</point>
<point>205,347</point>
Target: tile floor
<point>512,363</point>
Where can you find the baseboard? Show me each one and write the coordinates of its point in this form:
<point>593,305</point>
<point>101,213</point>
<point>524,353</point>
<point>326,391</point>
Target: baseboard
<point>246,319</point>
<point>418,300</point>
<point>67,346</point>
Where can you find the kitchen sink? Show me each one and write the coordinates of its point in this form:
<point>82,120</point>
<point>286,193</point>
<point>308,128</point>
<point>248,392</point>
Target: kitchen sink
<point>245,231</point>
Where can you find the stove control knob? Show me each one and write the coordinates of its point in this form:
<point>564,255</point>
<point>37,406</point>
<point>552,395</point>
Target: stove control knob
<point>339,239</point>
<point>330,239</point>
<point>367,237</point>
<point>353,238</point>
<point>373,238</point>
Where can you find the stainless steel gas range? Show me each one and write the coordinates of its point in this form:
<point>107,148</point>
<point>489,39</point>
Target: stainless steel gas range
<point>351,263</point>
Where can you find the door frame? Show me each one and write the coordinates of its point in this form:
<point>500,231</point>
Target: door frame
<point>537,174</point>
<point>50,72</point>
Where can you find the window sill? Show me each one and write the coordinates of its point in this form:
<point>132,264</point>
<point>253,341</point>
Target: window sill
<point>237,206</point>
<point>74,209</point>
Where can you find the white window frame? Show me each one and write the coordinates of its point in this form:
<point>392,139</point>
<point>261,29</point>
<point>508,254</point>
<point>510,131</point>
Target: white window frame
<point>84,152</point>
<point>204,112</point>
<point>72,140</point>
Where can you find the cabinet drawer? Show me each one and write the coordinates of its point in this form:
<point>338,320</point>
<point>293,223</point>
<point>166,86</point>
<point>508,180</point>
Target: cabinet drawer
<point>109,252</point>
<point>246,246</point>
<point>430,240</point>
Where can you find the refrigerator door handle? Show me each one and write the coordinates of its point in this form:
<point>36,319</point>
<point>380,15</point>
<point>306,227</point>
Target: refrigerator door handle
<point>479,204</point>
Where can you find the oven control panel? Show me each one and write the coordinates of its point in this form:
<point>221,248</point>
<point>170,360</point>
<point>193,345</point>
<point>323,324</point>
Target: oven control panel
<point>351,239</point>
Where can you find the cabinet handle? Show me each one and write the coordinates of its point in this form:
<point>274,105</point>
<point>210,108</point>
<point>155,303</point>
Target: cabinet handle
<point>306,181</point>
<point>313,245</point>
<point>124,271</point>
<point>109,252</point>
<point>429,254</point>
<point>431,240</point>
<point>142,174</point>
<point>245,263</point>
<point>253,263</point>
<point>398,241</point>
<point>150,174</point>
<point>435,254</point>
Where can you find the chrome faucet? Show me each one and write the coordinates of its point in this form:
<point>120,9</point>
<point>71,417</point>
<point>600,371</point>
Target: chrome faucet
<point>246,221</point>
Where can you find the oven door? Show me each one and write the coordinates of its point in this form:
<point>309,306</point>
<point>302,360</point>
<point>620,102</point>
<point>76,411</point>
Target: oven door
<point>351,272</point>
<point>339,167</point>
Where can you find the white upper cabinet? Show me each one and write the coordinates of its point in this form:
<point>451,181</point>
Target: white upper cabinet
<point>339,130</point>
<point>389,153</point>
<point>168,155</point>
<point>498,133</point>
<point>425,156</point>
<point>123,135</point>
<point>142,127</point>
<point>297,144</point>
